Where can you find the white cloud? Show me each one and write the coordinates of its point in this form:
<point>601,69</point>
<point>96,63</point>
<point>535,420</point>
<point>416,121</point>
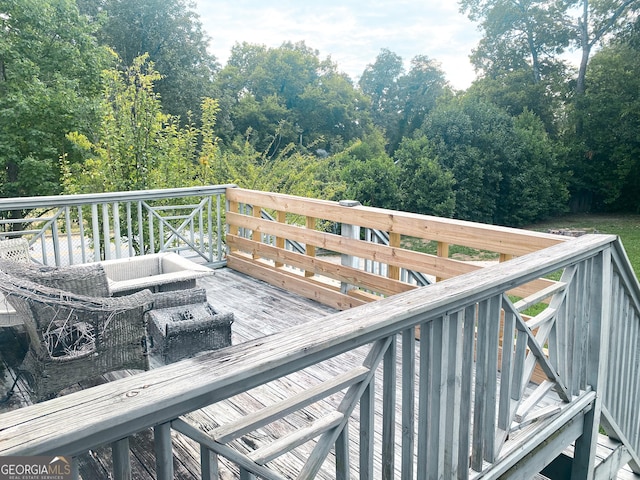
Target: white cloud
<point>352,32</point>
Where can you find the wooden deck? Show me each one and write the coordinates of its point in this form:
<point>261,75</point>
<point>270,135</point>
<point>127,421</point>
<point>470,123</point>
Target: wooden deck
<point>260,310</point>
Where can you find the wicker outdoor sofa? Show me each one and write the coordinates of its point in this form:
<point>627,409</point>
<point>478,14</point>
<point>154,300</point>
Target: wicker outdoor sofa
<point>158,272</point>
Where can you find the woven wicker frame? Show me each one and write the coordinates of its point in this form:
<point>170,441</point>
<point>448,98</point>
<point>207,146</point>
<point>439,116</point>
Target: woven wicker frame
<point>183,331</point>
<point>116,327</point>
<point>16,249</point>
<point>173,344</point>
<point>87,279</point>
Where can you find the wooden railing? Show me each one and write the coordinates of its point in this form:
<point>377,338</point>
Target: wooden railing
<point>621,415</point>
<point>465,410</point>
<point>333,269</point>
<point>340,268</point>
<point>71,229</point>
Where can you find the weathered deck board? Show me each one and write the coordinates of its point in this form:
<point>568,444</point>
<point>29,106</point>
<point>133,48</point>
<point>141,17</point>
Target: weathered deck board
<point>260,310</point>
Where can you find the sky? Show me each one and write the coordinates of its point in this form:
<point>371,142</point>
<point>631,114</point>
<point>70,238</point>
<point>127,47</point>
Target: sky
<point>351,32</point>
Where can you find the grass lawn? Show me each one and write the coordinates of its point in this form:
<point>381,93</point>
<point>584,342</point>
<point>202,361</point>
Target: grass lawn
<point>627,227</point>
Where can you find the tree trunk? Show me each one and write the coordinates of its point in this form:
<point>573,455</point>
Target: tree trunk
<point>534,57</point>
<point>585,45</point>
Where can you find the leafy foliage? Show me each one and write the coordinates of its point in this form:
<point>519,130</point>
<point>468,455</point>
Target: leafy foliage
<point>170,32</point>
<point>136,146</point>
<point>281,96</point>
<point>518,34</point>
<point>532,34</point>
<point>426,186</point>
<point>49,82</point>
<point>608,161</point>
<point>500,164</point>
<point>401,101</point>
<point>369,174</point>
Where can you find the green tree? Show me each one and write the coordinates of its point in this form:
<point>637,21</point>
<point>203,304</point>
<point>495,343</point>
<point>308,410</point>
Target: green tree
<point>137,146</point>
<point>330,109</point>
<point>362,171</point>
<point>517,34</point>
<point>502,165</point>
<point>533,33</point>
<point>287,95</point>
<point>400,100</point>
<point>418,92</point>
<point>467,136</point>
<point>171,33</point>
<point>537,188</point>
<point>608,155</point>
<point>369,173</point>
<point>594,21</point>
<point>516,92</point>
<point>379,82</point>
<point>49,84</point>
<point>426,187</point>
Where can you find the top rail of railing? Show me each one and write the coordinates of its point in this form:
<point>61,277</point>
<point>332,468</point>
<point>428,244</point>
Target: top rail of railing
<point>28,203</point>
<point>494,238</point>
<point>70,229</point>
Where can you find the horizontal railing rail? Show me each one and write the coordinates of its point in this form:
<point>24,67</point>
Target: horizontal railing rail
<point>409,276</point>
<point>71,229</point>
<point>343,263</point>
<point>464,395</point>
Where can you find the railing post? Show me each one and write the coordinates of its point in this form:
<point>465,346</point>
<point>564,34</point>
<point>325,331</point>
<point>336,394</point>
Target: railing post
<point>56,242</point>
<point>367,414</point>
<point>121,460</point>
<point>342,454</point>
<point>310,249</point>
<point>443,252</point>
<point>233,207</point>
<point>116,229</point>
<point>106,234</point>
<point>256,236</point>
<point>95,228</point>
<point>598,318</point>
<point>389,411</point>
<point>67,227</point>
<point>164,451</point>
<point>281,217</point>
<point>349,231</point>
<point>218,229</point>
<point>408,402</point>
<point>393,271</point>
<point>208,464</point>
